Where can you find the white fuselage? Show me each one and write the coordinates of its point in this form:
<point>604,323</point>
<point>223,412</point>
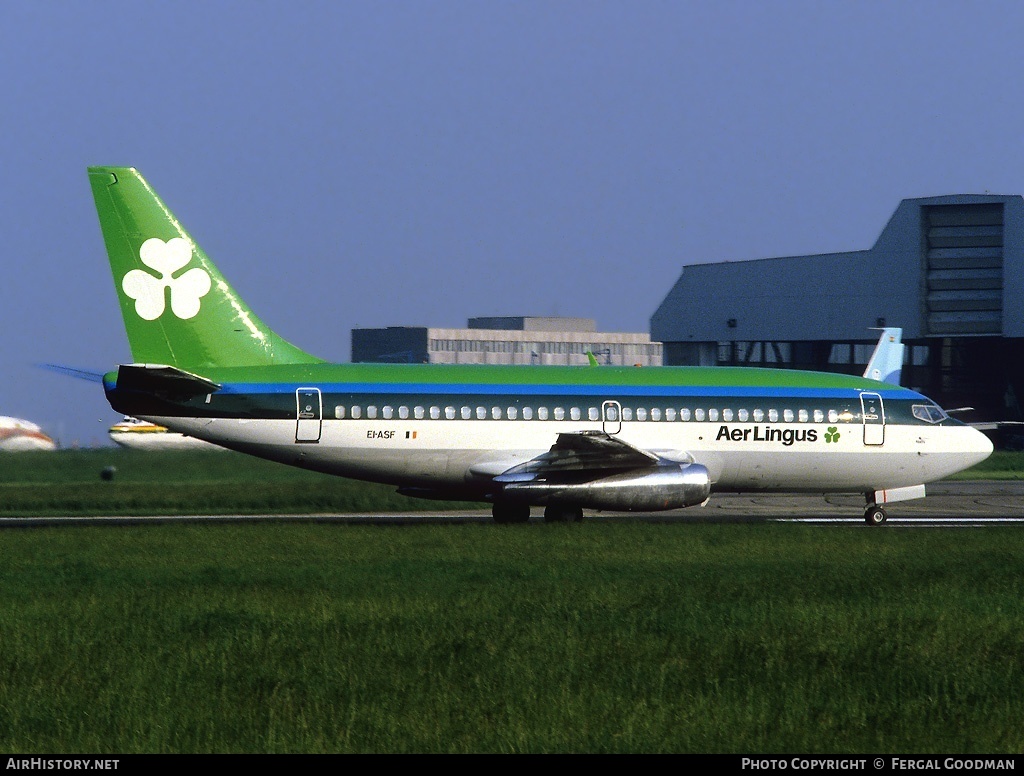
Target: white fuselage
<point>743,457</point>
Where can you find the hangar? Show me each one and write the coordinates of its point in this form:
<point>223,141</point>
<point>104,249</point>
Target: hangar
<point>949,270</point>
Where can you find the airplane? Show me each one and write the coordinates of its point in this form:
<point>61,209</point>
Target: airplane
<point>886,362</point>
<point>562,438</point>
<point>17,435</point>
<point>142,435</point>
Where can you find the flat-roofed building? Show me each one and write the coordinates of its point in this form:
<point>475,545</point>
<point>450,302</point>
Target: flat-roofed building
<point>507,340</point>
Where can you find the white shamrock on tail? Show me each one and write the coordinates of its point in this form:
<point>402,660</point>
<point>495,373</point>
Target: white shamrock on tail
<point>148,291</point>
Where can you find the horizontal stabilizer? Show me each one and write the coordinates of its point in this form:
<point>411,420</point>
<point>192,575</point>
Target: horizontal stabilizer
<point>70,371</point>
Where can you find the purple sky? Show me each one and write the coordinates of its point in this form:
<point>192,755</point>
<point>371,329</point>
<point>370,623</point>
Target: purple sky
<point>419,163</point>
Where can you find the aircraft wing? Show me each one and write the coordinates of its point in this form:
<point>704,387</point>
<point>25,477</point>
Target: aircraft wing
<point>580,453</point>
<point>604,472</point>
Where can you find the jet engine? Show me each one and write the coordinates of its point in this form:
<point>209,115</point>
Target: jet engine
<point>649,489</point>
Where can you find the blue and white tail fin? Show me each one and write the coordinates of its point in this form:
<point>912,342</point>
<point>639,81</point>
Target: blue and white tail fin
<point>886,362</point>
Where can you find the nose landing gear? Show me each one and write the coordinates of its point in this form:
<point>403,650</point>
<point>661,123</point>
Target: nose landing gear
<point>874,515</point>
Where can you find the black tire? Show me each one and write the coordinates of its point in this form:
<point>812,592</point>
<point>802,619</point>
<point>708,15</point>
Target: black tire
<point>561,513</point>
<point>508,514</point>
<point>874,515</point>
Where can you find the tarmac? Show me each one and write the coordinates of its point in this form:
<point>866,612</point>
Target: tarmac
<point>975,503</point>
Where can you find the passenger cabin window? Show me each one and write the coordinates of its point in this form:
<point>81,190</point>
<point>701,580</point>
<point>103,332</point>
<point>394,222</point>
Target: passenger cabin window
<point>684,414</point>
<point>802,416</point>
<point>743,415</point>
<point>527,413</point>
<point>467,413</point>
<point>559,413</point>
<point>655,413</point>
<point>339,412</point>
<point>435,413</point>
<point>449,413</point>
<point>481,413</point>
<point>641,413</point>
<point>698,415</point>
<point>758,415</point>
<point>819,416</point>
<point>357,411</point>
<point>542,413</point>
<point>670,414</point>
<point>511,413</point>
<point>727,414</point>
<point>833,416</point>
<point>593,413</point>
<point>787,415</point>
<point>371,411</point>
<point>713,414</point>
<point>575,413</point>
<point>773,416</point>
<point>403,412</point>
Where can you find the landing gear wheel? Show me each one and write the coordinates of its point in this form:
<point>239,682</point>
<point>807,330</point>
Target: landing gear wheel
<point>559,513</point>
<point>507,514</point>
<point>874,515</point>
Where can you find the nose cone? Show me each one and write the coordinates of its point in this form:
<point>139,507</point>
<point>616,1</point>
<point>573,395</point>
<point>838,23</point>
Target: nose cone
<point>977,447</point>
<point>958,447</point>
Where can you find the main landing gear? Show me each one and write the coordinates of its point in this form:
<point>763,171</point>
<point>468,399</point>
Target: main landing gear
<point>561,513</point>
<point>507,514</point>
<point>874,515</point>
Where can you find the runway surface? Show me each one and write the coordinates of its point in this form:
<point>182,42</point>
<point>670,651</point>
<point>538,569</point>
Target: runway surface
<point>948,504</point>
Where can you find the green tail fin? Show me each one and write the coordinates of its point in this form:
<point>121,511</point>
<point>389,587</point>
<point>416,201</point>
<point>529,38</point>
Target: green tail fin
<point>178,309</point>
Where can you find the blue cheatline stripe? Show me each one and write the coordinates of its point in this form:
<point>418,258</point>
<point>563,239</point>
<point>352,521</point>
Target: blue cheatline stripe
<point>487,389</point>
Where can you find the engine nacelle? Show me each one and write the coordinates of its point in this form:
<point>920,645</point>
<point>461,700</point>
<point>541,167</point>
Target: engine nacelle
<point>640,490</point>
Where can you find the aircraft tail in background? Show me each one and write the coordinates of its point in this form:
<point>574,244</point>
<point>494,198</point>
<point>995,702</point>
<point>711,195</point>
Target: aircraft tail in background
<point>886,362</point>
<point>178,309</point>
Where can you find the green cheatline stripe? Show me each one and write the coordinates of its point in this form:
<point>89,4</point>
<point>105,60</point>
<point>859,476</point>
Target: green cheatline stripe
<point>481,375</point>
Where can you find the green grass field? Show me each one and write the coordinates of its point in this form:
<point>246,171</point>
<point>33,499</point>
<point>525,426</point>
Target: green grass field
<point>160,483</point>
<point>473,637</point>
<point>480,638</point>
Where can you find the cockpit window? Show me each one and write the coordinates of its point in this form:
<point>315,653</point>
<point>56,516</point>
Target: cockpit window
<point>929,413</point>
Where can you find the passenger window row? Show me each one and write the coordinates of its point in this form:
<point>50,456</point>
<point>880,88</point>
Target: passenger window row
<point>670,414</point>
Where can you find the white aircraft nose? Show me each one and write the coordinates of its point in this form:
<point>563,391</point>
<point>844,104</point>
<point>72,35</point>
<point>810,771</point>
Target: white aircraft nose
<point>978,445</point>
<point>961,448</point>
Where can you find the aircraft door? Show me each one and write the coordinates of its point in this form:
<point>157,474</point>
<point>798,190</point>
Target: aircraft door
<point>873,414</point>
<point>309,414</point>
<point>611,417</point>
